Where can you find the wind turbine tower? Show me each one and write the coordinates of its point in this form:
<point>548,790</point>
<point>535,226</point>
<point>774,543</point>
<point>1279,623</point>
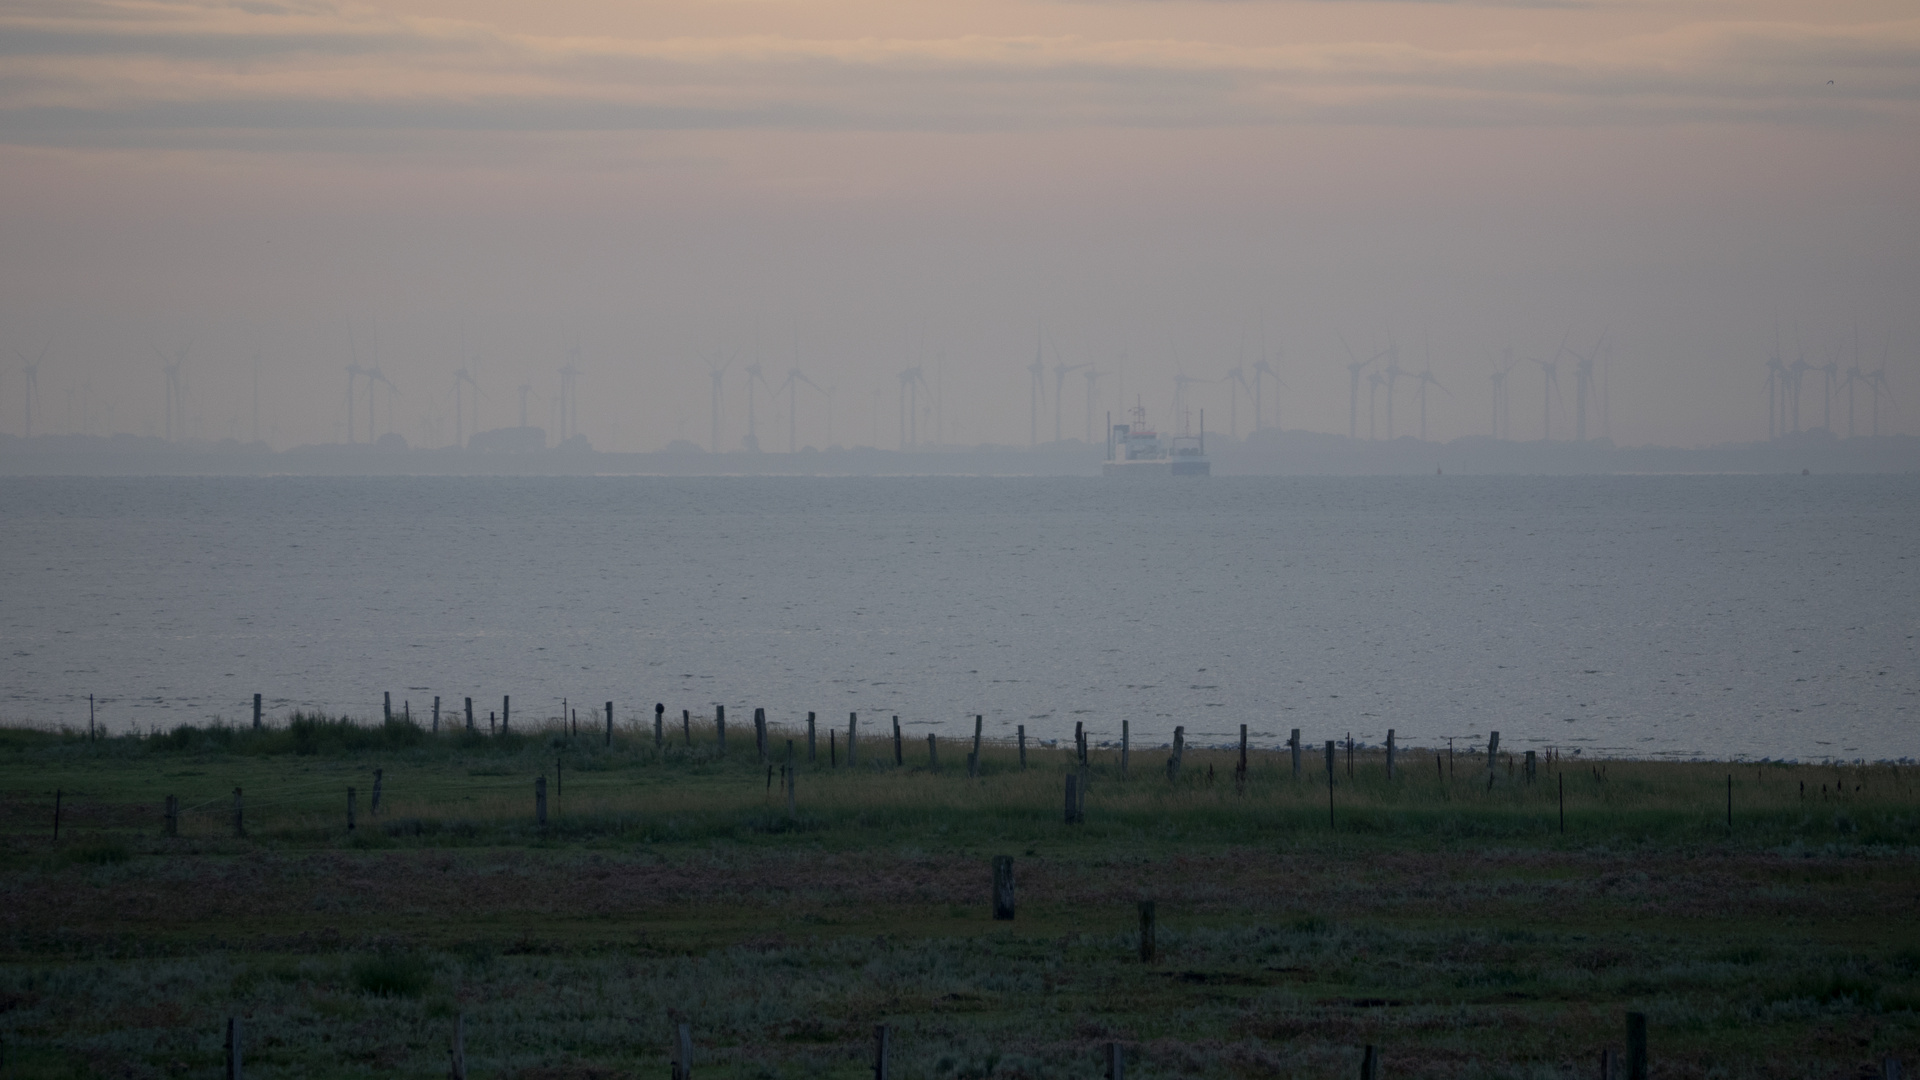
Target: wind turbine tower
<point>753,430</point>
<point>1036,389</point>
<point>1060,370</point>
<point>1355,366</point>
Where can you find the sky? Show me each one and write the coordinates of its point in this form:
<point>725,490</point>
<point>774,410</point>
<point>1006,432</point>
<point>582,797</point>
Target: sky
<point>269,192</point>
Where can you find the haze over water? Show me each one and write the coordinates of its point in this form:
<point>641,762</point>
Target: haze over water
<point>1716,616</point>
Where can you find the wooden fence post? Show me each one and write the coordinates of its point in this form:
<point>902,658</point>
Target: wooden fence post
<point>1390,750</point>
<point>233,1048</point>
<point>1073,798</point>
<point>239,822</point>
<point>1493,751</point>
<point>833,749</point>
<point>813,755</point>
<point>973,763</point>
<point>256,712</point>
<point>1370,1064</point>
<point>469,714</point>
<point>457,1049</point>
<point>1293,743</point>
<point>683,1053</point>
<point>609,723</point>
<point>386,706</point>
<point>1636,1046</point>
<point>1532,764</point>
<point>659,725</point>
<point>686,725</point>
<point>760,733</point>
<point>720,726</point>
<point>1079,743</point>
<point>933,753</point>
<point>1023,747</point>
<point>90,726</point>
<point>1149,945</point>
<point>1240,770</point>
<point>853,734</point>
<point>882,1042</point>
<point>352,796</point>
<point>171,826</point>
<point>373,804</point>
<point>1179,750</point>
<point>899,748</point>
<point>1126,746</point>
<point>436,715</point>
<point>1116,1062</point>
<point>506,713</point>
<point>1003,887</point>
<point>1330,755</point>
<point>540,802</point>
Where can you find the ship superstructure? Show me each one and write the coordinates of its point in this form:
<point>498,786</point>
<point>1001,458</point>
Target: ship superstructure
<point>1135,449</point>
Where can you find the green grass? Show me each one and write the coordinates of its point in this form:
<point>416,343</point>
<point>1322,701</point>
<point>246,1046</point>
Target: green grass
<point>1448,921</point>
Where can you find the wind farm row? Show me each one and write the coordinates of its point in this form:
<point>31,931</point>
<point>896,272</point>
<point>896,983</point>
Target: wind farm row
<point>1070,399</point>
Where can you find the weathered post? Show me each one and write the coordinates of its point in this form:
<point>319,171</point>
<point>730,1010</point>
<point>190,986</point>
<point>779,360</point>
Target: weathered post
<point>933,752</point>
<point>1179,750</point>
<point>1148,946</point>
<point>1636,1046</point>
<point>386,707</point>
<point>352,797</point>
<point>469,714</point>
<point>1531,764</point>
<point>457,1049</point>
<point>256,713</point>
<point>540,801</point>
<point>1126,745</point>
<point>1330,753</point>
<point>406,710</point>
<point>1493,751</point>
<point>373,804</point>
<point>760,734</point>
<point>1609,1064</point>
<point>659,725</point>
<point>720,726</point>
<point>1240,770</point>
<point>833,749</point>
<point>90,727</point>
<point>882,1042</point>
<point>1390,750</point>
<point>1293,743</point>
<point>1349,756</point>
<point>1073,798</point>
<point>1023,747</point>
<point>973,763</point>
<point>853,734</point>
<point>1003,887</point>
<point>686,725</point>
<point>233,1048</point>
<point>506,713</point>
<point>1116,1062</point>
<point>239,822</point>
<point>1079,742</point>
<point>683,1053</point>
<point>171,826</point>
<point>436,715</point>
<point>609,723</point>
<point>899,749</point>
<point>812,748</point>
<point>1370,1064</point>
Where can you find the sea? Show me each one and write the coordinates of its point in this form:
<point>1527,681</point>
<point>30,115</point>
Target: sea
<point>1739,617</point>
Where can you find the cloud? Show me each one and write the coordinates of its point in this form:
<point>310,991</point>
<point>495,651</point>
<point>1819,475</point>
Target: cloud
<point>291,76</point>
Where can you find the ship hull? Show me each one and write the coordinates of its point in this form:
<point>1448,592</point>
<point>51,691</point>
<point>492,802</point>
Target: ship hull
<point>1158,467</point>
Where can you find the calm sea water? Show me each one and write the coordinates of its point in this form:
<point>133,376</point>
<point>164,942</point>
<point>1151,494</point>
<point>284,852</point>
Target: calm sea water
<point>1721,616</point>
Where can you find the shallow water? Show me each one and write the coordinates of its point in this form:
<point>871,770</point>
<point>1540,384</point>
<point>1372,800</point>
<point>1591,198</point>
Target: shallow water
<point>1721,615</point>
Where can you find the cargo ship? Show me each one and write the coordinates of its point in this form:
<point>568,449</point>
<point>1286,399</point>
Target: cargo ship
<point>1134,449</point>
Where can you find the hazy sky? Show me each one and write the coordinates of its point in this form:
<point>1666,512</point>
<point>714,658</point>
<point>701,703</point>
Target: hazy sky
<point>1162,185</point>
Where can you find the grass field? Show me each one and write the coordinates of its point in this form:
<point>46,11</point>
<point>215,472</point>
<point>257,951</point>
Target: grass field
<point>1442,915</point>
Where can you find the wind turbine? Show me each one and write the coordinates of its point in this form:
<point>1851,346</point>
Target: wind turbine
<point>1854,375</point>
<point>1583,387</point>
<point>1394,372</point>
<point>1355,366</point>
<point>1776,388</point>
<point>1375,381</point>
<point>526,388</point>
<point>1502,423</point>
<point>1549,384</point>
<point>376,378</point>
<point>177,389</point>
<point>1796,372</point>
<point>753,433</point>
<point>1877,381</point>
<point>569,400</point>
<point>1830,374</point>
<point>911,380</point>
<point>1180,384</point>
<point>1261,371</point>
<point>462,378</point>
<point>30,369</point>
<point>1236,380</point>
<point>792,387</point>
<point>1060,370</point>
<point>1426,379</point>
